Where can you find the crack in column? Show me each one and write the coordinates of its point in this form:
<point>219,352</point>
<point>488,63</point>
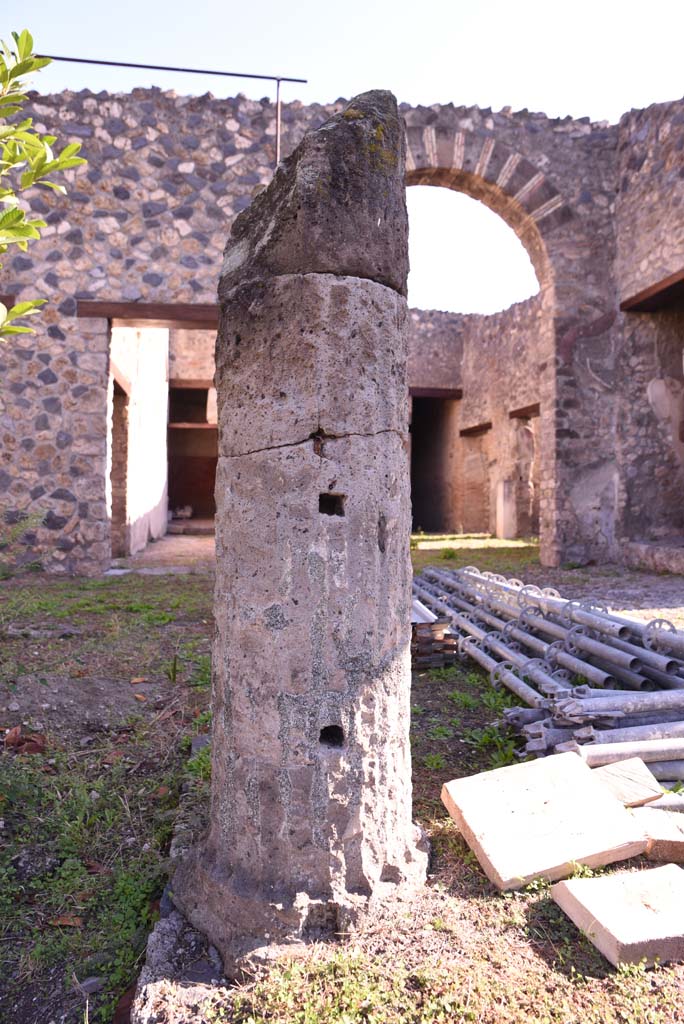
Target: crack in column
<point>313,437</point>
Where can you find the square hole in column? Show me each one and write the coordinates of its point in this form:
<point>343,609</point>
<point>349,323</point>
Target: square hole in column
<point>331,504</point>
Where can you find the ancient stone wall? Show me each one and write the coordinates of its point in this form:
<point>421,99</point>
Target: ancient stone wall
<point>484,443</point>
<point>191,355</point>
<point>650,408</point>
<point>650,202</point>
<point>435,349</point>
<point>146,221</point>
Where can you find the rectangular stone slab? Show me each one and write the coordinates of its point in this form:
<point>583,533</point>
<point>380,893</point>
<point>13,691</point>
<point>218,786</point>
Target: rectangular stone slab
<point>540,818</point>
<point>629,916</point>
<point>665,832</point>
<point>630,782</point>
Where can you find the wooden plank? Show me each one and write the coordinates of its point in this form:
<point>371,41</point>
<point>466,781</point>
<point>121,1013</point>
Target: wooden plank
<point>481,428</point>
<point>187,315</point>
<point>630,782</point>
<point>663,294</point>
<point>191,383</point>
<point>447,394</point>
<point>629,916</point>
<point>541,818</point>
<point>526,412</point>
<point>193,426</point>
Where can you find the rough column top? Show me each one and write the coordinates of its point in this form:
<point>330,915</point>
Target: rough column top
<point>337,205</point>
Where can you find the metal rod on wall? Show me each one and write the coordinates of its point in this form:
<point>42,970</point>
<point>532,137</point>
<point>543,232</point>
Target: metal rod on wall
<point>278,123</point>
<point>191,71</point>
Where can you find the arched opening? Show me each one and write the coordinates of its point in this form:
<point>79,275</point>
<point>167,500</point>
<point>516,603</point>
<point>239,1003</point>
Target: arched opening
<point>481,284</point>
<point>464,258</point>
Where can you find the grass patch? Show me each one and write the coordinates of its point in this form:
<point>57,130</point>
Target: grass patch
<point>82,860</point>
<point>455,551</point>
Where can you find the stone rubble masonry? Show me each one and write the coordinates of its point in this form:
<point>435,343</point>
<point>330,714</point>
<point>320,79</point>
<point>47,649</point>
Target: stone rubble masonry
<point>598,208</point>
<point>650,200</point>
<point>191,355</point>
<point>311,778</point>
<point>320,195</point>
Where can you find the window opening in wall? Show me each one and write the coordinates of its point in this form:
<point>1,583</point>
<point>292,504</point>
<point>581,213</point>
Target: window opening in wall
<point>487,269</point>
<point>193,457</point>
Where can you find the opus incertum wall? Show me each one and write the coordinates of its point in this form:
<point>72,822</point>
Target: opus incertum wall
<point>146,220</point>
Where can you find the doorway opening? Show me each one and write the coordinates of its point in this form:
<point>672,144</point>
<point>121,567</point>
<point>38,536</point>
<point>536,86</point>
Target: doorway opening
<point>433,420</point>
<point>193,457</point>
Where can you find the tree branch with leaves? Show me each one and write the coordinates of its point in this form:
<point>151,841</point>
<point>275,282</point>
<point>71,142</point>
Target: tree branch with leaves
<point>27,160</point>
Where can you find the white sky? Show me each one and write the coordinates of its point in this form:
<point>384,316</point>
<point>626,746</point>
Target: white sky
<point>595,58</point>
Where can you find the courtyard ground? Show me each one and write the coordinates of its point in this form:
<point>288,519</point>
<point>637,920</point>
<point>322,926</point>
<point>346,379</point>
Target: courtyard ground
<point>104,684</point>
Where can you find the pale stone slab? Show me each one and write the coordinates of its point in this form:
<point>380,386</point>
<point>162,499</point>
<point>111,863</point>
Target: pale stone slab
<point>630,782</point>
<point>629,916</point>
<point>539,819</point>
<point>665,832</point>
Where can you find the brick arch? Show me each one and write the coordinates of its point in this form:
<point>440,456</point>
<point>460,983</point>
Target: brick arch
<point>490,171</point>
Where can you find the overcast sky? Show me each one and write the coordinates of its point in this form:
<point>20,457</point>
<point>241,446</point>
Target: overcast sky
<point>595,58</point>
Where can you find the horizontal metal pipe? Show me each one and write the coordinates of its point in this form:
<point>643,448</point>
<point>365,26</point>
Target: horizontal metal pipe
<point>539,646</point>
<point>597,754</point>
<point>671,770</point>
<point>656,717</point>
<point>635,733</point>
<point>622,659</point>
<point>649,658</point>
<point>537,675</point>
<point>513,683</point>
<point>594,673</point>
<point>667,680</point>
<point>612,625</point>
<point>633,702</point>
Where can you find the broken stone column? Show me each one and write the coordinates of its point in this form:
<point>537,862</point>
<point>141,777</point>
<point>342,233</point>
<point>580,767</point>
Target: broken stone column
<point>311,776</point>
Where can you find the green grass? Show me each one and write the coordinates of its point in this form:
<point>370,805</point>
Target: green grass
<point>92,841</point>
<point>455,551</point>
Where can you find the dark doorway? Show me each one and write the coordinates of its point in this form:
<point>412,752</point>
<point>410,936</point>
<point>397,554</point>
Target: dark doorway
<point>193,455</point>
<point>431,483</point>
<point>119,472</point>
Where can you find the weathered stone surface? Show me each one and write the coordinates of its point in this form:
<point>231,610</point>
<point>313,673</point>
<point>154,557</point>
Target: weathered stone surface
<point>630,917</point>
<point>311,780</point>
<point>339,344</point>
<point>537,819</point>
<point>304,828</point>
<point>665,831</point>
<point>336,206</point>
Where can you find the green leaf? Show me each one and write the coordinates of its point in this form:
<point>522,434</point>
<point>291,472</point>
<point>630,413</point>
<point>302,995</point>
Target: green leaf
<point>15,330</point>
<point>27,308</point>
<point>24,44</point>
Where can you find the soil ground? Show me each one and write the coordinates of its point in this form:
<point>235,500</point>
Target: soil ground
<point>103,686</point>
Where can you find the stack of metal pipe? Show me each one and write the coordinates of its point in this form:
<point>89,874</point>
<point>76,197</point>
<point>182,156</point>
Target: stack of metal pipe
<point>603,685</point>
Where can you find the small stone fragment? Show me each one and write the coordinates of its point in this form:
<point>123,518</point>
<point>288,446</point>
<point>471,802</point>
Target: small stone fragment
<point>665,832</point>
<point>630,917</point>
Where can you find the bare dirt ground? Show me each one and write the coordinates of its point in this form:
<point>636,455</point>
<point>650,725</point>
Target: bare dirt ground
<point>104,685</point>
